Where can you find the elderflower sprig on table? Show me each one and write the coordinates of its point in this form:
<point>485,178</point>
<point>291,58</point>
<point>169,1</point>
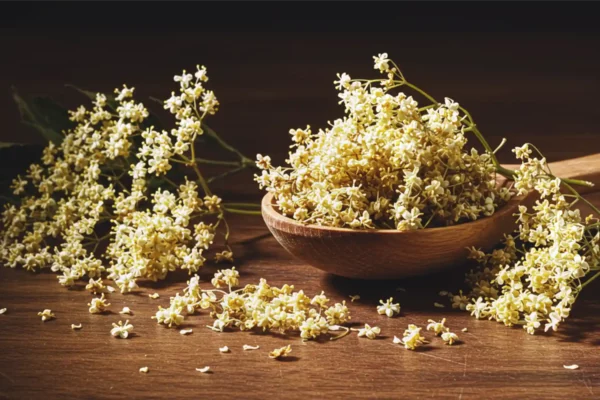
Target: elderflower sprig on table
<point>117,179</point>
<point>256,307</point>
<point>535,277</point>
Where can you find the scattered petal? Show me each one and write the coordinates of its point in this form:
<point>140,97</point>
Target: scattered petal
<point>573,366</point>
<point>438,305</point>
<point>443,293</point>
<point>464,330</point>
<point>110,289</point>
<point>144,370</point>
<point>400,289</point>
<point>126,310</point>
<point>203,370</point>
<point>281,352</point>
<point>154,296</point>
<point>76,327</point>
<point>354,297</point>
<point>248,347</point>
<point>224,349</point>
<point>46,315</point>
<point>186,331</point>
<point>2,311</point>
<point>397,340</point>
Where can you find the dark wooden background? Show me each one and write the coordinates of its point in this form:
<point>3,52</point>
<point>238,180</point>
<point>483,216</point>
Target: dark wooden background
<point>522,77</point>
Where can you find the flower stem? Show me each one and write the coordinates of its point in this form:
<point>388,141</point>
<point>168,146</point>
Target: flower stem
<point>242,212</point>
<point>597,274</point>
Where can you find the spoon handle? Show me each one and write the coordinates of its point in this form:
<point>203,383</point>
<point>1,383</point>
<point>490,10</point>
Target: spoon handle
<point>586,168</point>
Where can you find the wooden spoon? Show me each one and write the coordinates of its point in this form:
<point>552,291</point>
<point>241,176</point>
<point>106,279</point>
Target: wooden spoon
<point>387,253</point>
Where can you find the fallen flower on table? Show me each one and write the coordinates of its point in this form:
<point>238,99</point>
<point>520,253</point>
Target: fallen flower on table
<point>411,339</point>
<point>126,310</point>
<point>46,315</point>
<point>98,305</point>
<point>449,338</point>
<point>437,327</point>
<point>95,285</point>
<point>370,332</point>
<point>121,329</point>
<point>388,308</point>
<point>281,352</point>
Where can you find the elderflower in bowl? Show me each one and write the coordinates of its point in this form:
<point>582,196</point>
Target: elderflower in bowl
<point>391,176</point>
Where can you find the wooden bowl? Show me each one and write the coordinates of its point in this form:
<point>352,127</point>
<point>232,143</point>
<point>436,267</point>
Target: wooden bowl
<point>386,253</point>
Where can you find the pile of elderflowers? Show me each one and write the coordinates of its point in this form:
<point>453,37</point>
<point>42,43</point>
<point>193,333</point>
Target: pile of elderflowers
<point>388,163</point>
<point>256,306</point>
<point>112,186</point>
<point>534,279</point>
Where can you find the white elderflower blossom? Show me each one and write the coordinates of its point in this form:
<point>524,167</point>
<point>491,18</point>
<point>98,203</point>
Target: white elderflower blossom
<point>449,338</point>
<point>98,305</point>
<point>437,327</point>
<point>388,308</point>
<point>46,315</point>
<point>411,339</point>
<point>121,330</point>
<point>370,332</point>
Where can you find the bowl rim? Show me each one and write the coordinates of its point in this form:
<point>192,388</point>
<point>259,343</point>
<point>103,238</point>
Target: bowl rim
<point>268,208</point>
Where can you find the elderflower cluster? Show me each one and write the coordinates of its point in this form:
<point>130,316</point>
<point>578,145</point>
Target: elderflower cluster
<point>256,307</point>
<point>100,184</point>
<point>534,278</point>
<point>388,163</point>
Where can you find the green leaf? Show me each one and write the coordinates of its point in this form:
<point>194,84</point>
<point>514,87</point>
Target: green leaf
<point>40,113</point>
<point>4,145</point>
<point>111,101</point>
<point>51,114</point>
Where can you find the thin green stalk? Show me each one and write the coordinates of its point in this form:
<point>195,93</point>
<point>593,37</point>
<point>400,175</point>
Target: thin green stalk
<point>217,162</point>
<point>242,212</point>
<point>597,274</point>
<point>245,160</point>
<point>225,174</point>
<point>242,205</point>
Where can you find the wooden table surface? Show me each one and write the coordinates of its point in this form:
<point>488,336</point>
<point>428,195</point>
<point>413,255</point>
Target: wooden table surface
<point>549,98</point>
